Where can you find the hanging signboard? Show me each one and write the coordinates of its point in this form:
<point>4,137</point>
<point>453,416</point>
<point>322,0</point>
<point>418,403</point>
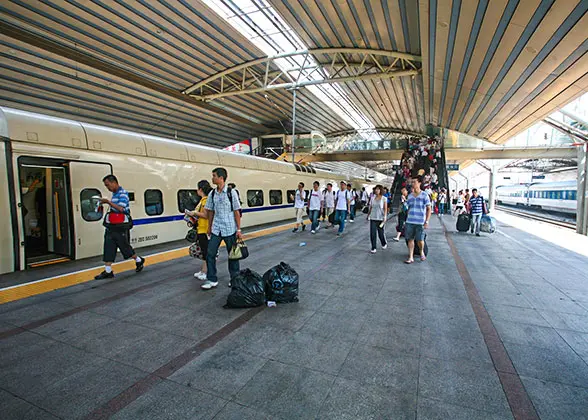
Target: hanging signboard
<point>452,166</point>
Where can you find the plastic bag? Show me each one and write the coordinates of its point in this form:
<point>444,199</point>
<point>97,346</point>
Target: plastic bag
<point>247,290</point>
<point>488,224</point>
<point>281,284</point>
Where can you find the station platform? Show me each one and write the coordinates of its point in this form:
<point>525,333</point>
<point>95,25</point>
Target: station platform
<point>490,327</point>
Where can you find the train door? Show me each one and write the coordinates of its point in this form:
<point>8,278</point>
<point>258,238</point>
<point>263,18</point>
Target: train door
<point>45,208</point>
<point>86,187</point>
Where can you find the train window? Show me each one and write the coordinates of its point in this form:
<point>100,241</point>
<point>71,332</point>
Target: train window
<point>153,202</point>
<point>187,200</point>
<point>290,194</point>
<point>90,207</point>
<point>131,196</point>
<point>275,197</point>
<point>254,198</point>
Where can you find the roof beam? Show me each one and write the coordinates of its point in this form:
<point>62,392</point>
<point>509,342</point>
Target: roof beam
<point>296,70</point>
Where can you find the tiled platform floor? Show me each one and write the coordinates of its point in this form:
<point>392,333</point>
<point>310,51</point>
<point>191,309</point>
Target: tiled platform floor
<point>370,338</point>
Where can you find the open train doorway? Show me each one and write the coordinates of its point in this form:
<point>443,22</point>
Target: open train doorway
<point>46,211</point>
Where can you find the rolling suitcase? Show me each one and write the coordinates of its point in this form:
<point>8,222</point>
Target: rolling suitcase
<point>463,222</point>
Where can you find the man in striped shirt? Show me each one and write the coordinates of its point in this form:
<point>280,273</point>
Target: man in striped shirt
<point>117,228</point>
<point>476,204</point>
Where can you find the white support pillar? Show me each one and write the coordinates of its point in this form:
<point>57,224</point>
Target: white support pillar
<point>582,191</point>
<point>492,189</point>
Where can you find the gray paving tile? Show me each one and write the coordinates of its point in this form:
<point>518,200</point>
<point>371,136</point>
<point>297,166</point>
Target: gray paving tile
<point>410,316</point>
<point>257,339</point>
<point>17,347</point>
<point>366,293</point>
<point>440,346</point>
<point>557,365</point>
<point>448,305</point>
<point>342,326</point>
<point>35,371</point>
<point>13,407</point>
<point>319,287</point>
<point>431,409</point>
<point>337,305</point>
<point>350,399</point>
<point>462,384</point>
<point>86,389</point>
<point>219,371</point>
<point>566,321</point>
<point>398,298</point>
<point>34,312</point>
<point>392,336</point>
<point>381,367</point>
<point>528,334</point>
<point>67,329</point>
<point>577,341</point>
<point>511,299</point>
<point>515,314</point>
<point>555,401</point>
<point>139,346</point>
<point>233,411</point>
<point>453,325</point>
<point>314,352</point>
<point>4,326</point>
<point>286,391</point>
<point>168,400</point>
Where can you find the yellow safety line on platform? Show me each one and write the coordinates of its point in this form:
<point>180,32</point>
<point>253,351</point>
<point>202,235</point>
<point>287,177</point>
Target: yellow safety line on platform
<point>22,291</point>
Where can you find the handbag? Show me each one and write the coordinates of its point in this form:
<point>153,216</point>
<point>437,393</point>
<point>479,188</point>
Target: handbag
<point>192,235</point>
<point>117,221</point>
<point>239,251</point>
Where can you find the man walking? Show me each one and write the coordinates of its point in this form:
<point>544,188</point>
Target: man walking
<point>315,206</point>
<point>476,205</point>
<point>329,202</point>
<point>342,206</point>
<point>117,222</point>
<point>299,205</point>
<point>419,213</point>
<point>224,224</point>
<point>351,204</point>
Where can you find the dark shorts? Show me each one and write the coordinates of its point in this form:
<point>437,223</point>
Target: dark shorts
<point>114,239</point>
<point>413,231</point>
<point>203,242</point>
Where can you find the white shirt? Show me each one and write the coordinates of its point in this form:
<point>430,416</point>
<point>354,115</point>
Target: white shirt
<point>352,196</point>
<point>315,200</point>
<point>299,199</point>
<point>329,199</point>
<point>342,197</point>
<point>364,196</point>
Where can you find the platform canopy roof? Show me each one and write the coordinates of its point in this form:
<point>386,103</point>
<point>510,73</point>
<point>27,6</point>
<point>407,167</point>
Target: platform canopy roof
<point>486,68</point>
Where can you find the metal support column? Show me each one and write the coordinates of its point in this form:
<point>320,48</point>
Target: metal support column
<point>492,189</point>
<point>293,125</point>
<point>466,178</point>
<point>582,191</point>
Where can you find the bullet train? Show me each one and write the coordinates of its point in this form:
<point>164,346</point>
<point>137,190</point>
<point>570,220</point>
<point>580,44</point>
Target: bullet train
<point>553,196</point>
<point>51,172</point>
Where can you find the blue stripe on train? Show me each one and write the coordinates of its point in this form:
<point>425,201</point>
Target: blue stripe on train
<point>162,219</point>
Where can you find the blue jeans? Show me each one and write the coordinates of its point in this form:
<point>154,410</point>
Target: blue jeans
<point>441,208</point>
<point>476,219</point>
<point>352,212</point>
<point>314,215</point>
<point>213,246</point>
<point>340,217</point>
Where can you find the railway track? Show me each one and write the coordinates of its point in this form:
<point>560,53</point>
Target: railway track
<point>538,217</point>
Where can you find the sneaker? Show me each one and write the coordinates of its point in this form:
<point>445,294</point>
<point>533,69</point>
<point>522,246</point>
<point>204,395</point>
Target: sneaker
<point>303,228</point>
<point>230,285</point>
<point>351,221</point>
<point>477,234</point>
<point>139,265</point>
<point>313,232</point>
<point>294,230</point>
<point>200,275</point>
<point>104,275</point>
<point>373,251</point>
<point>338,234</point>
<point>396,239</point>
<point>385,246</point>
<point>209,285</point>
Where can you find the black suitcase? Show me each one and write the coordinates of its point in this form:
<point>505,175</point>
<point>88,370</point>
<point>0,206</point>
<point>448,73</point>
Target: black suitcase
<point>463,222</point>
<point>417,249</point>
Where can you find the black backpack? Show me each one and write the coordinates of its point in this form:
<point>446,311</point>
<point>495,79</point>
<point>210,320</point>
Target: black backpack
<point>230,196</point>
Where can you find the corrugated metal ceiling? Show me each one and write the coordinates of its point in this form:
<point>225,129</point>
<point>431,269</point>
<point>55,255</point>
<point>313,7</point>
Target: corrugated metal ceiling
<point>490,68</point>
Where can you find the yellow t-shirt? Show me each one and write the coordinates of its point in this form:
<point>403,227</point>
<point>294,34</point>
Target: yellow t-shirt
<point>202,221</point>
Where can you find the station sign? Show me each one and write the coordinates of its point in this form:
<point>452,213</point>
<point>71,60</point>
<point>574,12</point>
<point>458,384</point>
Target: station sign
<point>452,166</point>
<point>538,176</point>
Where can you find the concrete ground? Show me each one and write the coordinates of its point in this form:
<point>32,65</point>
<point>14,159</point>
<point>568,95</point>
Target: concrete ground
<point>371,337</point>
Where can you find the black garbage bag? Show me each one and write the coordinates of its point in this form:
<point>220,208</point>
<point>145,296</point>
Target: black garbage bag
<point>281,284</point>
<point>247,290</point>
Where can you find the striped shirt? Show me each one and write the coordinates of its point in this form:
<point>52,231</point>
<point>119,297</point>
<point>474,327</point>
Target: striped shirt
<point>224,223</point>
<point>477,204</point>
<point>121,198</point>
<point>417,207</point>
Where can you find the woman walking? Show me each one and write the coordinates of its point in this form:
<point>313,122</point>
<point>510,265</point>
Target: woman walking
<point>460,203</point>
<point>402,213</point>
<point>202,227</point>
<point>377,217</point>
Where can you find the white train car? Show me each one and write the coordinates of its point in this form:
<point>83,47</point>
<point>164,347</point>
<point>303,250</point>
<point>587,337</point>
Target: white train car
<point>514,195</point>
<point>554,196</point>
<point>50,168</point>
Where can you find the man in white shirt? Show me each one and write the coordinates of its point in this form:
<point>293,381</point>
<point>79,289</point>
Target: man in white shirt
<point>342,206</point>
<point>352,202</point>
<point>329,202</point>
<point>299,205</point>
<point>315,206</point>
<point>364,197</point>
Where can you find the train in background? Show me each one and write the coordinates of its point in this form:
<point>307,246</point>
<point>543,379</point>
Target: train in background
<point>51,172</point>
<point>553,196</point>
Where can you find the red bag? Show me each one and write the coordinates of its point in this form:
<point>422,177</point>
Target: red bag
<point>116,218</point>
